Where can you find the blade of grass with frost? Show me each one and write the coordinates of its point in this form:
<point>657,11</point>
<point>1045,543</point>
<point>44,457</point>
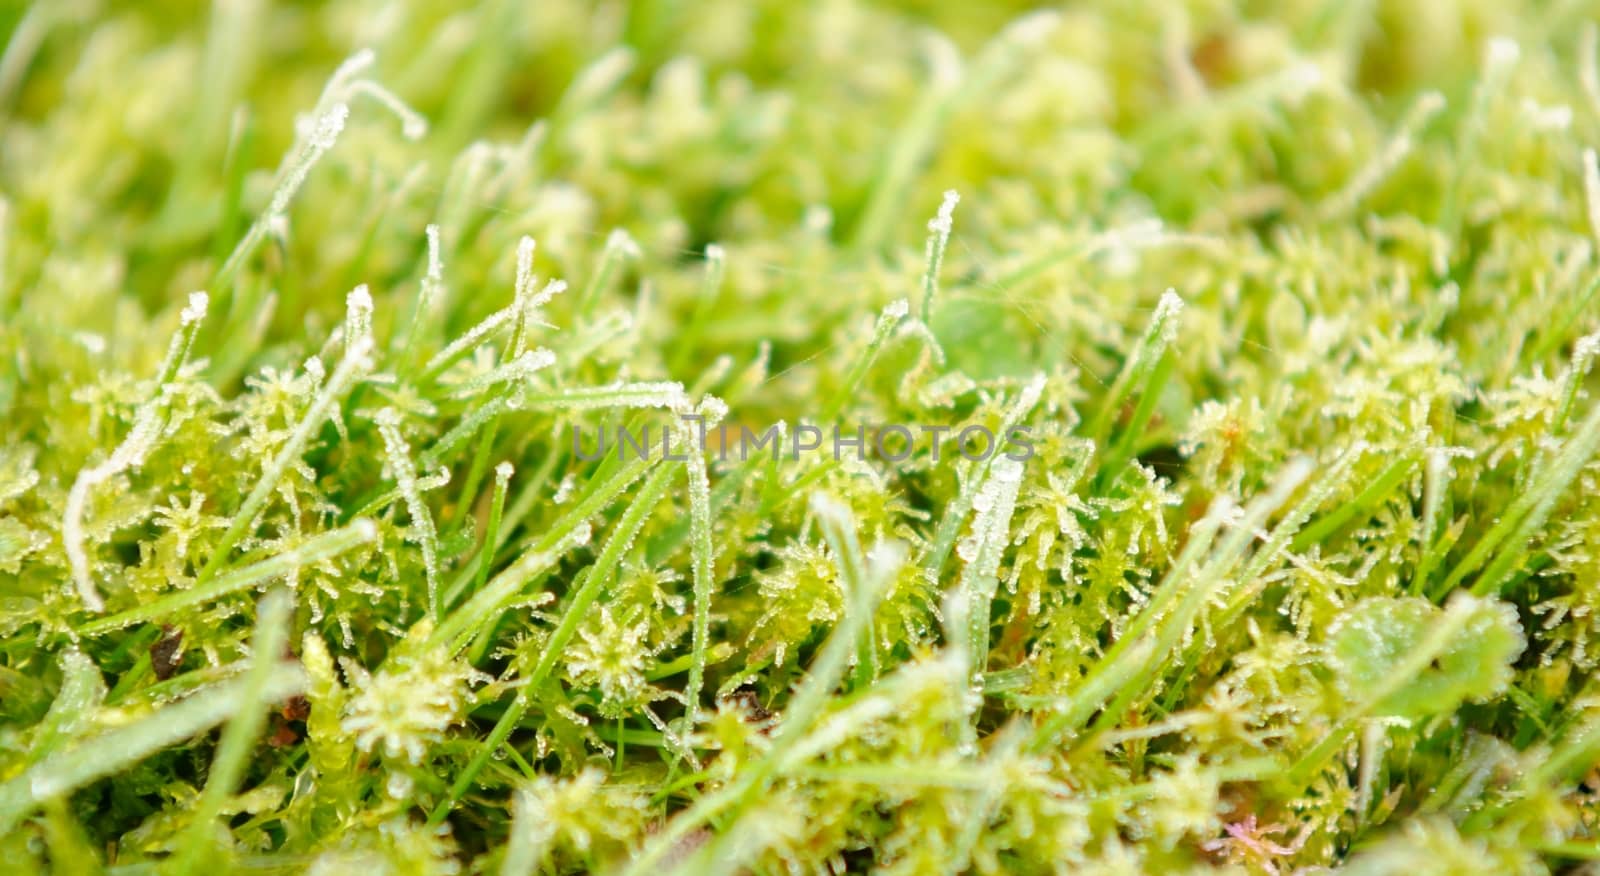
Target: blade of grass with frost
<point>607,480</point>
<point>457,630</point>
<point>484,606</point>
<point>115,750</point>
<point>312,550</point>
<point>442,451</point>
<point>518,165</point>
<point>1141,234</point>
<point>1400,145</point>
<point>1499,58</point>
<point>1534,506</point>
<point>840,533</point>
<point>485,558</point>
<point>1526,513</point>
<point>824,675</point>
<point>1584,353</point>
<point>1144,373</point>
<point>955,511</point>
<point>524,301</point>
<point>888,319</point>
<point>471,190</point>
<point>687,340</point>
<point>1132,651</point>
<point>321,133</point>
<point>1559,329</point>
<point>228,763</point>
<point>608,327</point>
<point>354,363</point>
<point>405,475</point>
<point>1435,484</point>
<point>465,343</point>
<point>797,738</point>
<point>587,591</point>
<point>703,562</point>
<point>296,166</point>
<point>619,248</point>
<point>1140,653</point>
<point>514,373</point>
<point>983,550</point>
<point>593,85</point>
<point>72,712</point>
<point>1165,630</point>
<point>1283,536</point>
<point>657,394</point>
<point>429,289</point>
<point>491,533</point>
<point>131,453</point>
<point>1279,541</point>
<point>951,85</point>
<point>939,228</point>
<point>1363,504</point>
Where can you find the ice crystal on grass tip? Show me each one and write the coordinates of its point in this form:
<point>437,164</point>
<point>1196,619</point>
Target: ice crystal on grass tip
<point>319,138</point>
<point>939,228</point>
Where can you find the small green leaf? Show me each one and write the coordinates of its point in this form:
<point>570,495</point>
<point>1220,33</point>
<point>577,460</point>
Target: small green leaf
<point>1404,657</point>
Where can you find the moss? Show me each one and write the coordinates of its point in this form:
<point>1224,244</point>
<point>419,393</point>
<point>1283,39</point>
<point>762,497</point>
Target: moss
<point>301,306</point>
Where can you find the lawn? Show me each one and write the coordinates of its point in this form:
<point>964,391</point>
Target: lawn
<point>738,436</point>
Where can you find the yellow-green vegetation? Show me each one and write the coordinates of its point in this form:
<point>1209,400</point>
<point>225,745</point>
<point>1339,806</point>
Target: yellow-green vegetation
<point>302,303</point>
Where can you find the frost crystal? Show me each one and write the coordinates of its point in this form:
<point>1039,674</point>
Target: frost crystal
<point>412,124</point>
<point>196,310</point>
<point>524,287</point>
<point>550,290</point>
<point>471,338</point>
<point>941,223</point>
<point>129,454</point>
<point>1501,54</point>
<point>358,317</point>
<point>517,370</point>
<point>622,243</point>
<point>939,228</point>
<point>324,133</point>
<point>1584,352</point>
<point>657,394</point>
<point>1167,311</point>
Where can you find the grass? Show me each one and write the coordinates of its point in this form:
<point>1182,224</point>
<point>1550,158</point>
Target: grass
<point>303,305</point>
